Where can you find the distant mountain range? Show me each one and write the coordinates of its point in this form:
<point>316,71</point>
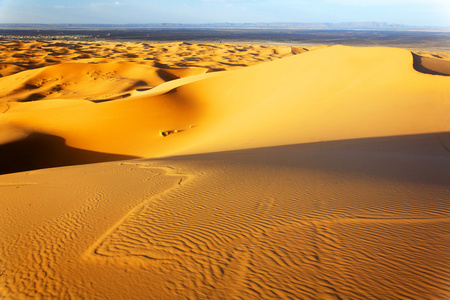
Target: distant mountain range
<point>273,25</point>
<point>294,25</point>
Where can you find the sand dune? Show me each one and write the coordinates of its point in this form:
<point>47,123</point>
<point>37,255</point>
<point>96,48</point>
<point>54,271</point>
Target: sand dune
<point>213,57</point>
<point>431,65</point>
<point>358,219</point>
<point>289,174</point>
<point>362,92</point>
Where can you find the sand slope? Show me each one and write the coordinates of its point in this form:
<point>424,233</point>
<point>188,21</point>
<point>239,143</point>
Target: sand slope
<point>321,175</point>
<point>56,99</point>
<point>358,219</point>
<point>328,94</point>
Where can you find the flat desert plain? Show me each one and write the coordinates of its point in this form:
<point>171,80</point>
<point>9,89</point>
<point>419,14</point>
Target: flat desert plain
<point>223,171</point>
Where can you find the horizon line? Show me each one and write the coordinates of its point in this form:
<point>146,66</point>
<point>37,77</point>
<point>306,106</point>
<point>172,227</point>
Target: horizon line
<point>268,25</point>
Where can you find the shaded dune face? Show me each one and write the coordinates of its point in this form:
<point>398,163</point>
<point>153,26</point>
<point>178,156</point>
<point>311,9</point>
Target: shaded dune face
<point>353,157</point>
<point>38,151</point>
<point>433,66</point>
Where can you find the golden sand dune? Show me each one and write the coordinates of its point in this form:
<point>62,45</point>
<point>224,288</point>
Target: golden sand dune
<point>321,175</point>
<point>329,94</point>
<point>432,65</point>
<point>359,219</point>
<point>213,57</point>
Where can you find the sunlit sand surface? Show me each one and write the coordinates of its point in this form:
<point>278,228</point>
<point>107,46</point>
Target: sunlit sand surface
<point>220,171</point>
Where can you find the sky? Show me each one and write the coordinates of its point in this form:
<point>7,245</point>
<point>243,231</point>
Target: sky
<point>406,12</point>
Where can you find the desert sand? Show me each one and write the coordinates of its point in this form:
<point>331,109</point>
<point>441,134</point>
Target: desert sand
<point>223,171</point>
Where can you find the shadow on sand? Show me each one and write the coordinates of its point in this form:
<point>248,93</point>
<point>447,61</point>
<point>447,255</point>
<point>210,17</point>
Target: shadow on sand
<point>433,66</point>
<point>420,158</point>
<point>39,151</point>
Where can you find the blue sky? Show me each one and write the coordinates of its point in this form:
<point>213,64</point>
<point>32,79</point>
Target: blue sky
<point>408,12</point>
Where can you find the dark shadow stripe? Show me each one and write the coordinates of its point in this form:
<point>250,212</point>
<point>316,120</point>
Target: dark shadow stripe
<point>431,66</point>
<point>39,151</point>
